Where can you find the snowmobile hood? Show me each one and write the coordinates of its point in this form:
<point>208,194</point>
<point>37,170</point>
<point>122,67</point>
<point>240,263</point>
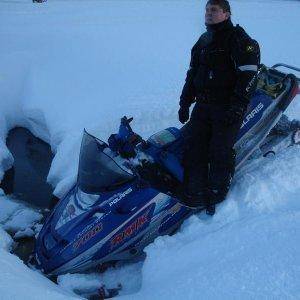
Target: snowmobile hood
<point>76,227</point>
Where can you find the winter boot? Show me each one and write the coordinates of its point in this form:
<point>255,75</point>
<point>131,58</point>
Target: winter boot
<point>193,201</point>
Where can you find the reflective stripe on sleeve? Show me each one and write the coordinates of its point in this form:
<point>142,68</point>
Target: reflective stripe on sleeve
<point>253,68</point>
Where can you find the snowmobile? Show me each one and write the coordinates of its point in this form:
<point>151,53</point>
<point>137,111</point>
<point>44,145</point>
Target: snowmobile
<point>125,194</point>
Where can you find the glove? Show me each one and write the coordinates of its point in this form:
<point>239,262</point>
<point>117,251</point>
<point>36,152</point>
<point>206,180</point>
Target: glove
<point>183,114</point>
<point>234,114</point>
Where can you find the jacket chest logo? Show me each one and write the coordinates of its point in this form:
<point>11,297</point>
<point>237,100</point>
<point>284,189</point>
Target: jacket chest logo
<point>216,51</point>
<point>213,52</point>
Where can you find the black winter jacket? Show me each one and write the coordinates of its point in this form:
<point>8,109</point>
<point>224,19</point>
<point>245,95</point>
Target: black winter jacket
<point>223,68</point>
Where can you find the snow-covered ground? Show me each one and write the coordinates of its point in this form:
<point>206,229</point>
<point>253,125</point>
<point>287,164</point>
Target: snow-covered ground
<point>66,65</point>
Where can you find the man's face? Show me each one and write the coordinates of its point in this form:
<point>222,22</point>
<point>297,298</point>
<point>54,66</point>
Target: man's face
<point>214,14</point>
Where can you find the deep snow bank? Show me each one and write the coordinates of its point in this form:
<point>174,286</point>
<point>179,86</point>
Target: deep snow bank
<point>17,281</point>
<point>249,249</point>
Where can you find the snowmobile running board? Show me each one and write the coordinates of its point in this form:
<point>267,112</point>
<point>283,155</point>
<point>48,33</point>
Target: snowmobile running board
<point>288,67</point>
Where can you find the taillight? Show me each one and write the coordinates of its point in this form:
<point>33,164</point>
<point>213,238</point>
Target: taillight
<point>295,91</point>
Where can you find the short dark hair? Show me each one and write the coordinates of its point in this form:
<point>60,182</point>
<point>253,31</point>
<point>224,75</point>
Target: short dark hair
<point>224,4</point>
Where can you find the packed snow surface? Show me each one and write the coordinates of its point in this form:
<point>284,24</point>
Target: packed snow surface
<point>69,65</point>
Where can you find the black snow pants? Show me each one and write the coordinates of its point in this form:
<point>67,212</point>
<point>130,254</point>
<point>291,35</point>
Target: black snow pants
<point>209,157</point>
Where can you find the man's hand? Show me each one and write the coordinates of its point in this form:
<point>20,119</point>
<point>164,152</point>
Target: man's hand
<point>183,114</point>
<point>234,114</point>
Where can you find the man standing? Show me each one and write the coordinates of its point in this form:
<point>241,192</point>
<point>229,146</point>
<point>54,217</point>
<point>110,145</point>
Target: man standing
<point>221,80</point>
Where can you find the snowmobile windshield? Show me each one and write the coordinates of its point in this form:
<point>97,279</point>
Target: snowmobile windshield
<point>97,171</point>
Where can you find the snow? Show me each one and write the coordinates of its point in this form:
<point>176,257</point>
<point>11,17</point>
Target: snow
<point>112,278</point>
<point>6,241</point>
<point>248,250</point>
<point>21,220</point>
<point>18,281</point>
<point>69,65</point>
<point>239,268</point>
<point>7,208</point>
<point>17,218</point>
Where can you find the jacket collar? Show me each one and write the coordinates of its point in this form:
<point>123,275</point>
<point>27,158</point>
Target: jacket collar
<point>219,27</point>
